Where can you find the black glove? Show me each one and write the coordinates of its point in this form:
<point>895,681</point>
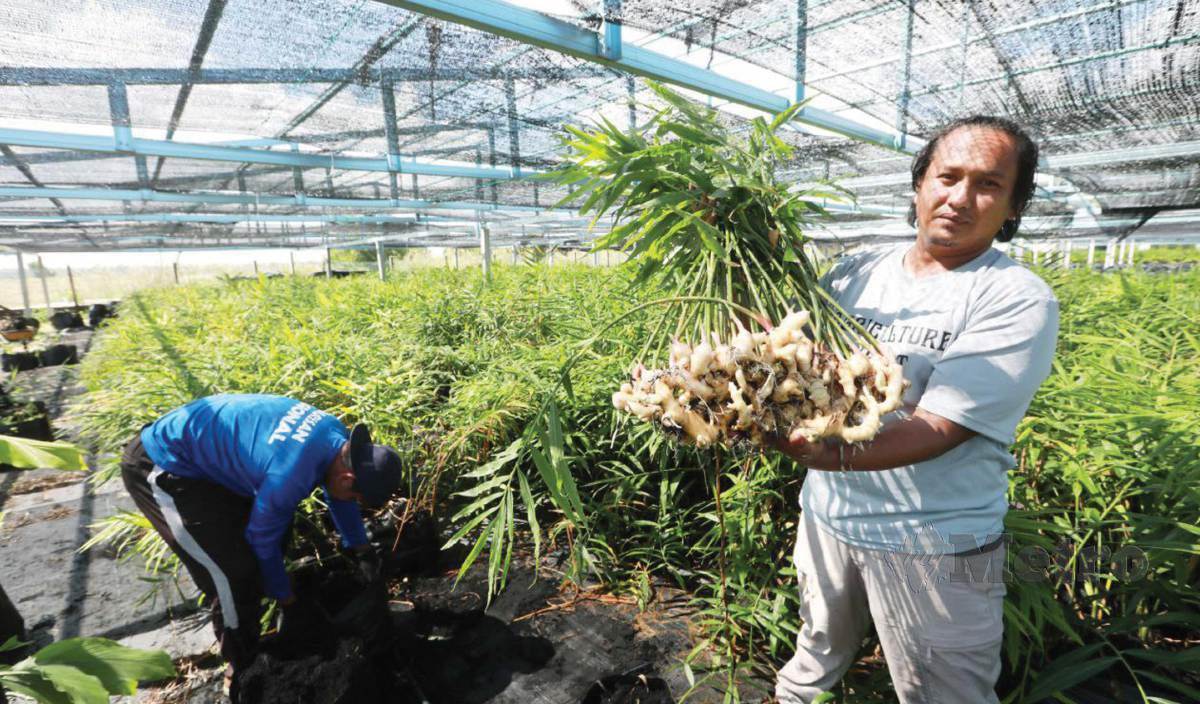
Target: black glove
<point>368,564</point>
<point>302,619</point>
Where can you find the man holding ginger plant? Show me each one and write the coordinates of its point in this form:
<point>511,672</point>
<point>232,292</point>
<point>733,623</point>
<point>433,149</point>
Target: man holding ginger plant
<point>906,529</point>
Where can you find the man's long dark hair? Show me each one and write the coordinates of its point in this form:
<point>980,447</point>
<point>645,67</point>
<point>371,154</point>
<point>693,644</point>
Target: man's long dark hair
<point>1027,159</point>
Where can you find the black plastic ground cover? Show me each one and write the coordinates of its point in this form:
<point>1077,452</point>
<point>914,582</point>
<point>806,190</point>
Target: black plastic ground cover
<point>11,625</point>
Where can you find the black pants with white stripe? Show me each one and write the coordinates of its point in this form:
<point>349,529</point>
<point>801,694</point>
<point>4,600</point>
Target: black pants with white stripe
<point>204,524</point>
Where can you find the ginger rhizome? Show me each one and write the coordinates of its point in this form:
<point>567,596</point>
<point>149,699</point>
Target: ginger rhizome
<point>768,382</point>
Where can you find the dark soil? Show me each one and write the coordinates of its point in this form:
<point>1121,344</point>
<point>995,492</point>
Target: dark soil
<point>436,642</point>
<point>346,676</point>
<point>631,688</point>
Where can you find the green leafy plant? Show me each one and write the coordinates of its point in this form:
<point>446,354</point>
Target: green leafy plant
<point>25,453</point>
<point>704,219</point>
<point>455,370</point>
<point>83,670</point>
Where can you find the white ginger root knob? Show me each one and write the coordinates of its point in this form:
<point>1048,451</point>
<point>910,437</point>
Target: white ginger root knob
<point>643,411</point>
<point>810,429</point>
<point>700,431</point>
<point>681,354</point>
<point>786,389</point>
<point>858,364</point>
<point>804,355</point>
<point>795,322</point>
<point>738,403</point>
<point>867,426</point>
<point>743,343</point>
<point>780,337</point>
<point>894,391</point>
<point>846,379</point>
<point>694,386</point>
<point>702,357</point>
<point>818,394</point>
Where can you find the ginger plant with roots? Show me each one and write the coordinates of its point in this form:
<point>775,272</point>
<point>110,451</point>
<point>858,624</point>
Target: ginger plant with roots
<point>703,217</point>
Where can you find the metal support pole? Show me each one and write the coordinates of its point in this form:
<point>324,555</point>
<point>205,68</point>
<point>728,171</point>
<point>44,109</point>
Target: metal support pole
<point>610,29</point>
<point>595,258</point>
<point>292,259</point>
<point>71,281</point>
<point>456,258</point>
<point>1066,250</point>
<point>478,181</point>
<point>801,46</point>
<point>255,267</point>
<point>1132,249</point>
<point>485,248</point>
<point>905,93</point>
<point>1091,253</point>
<point>380,260</point>
<point>24,282</point>
<point>393,140</point>
<point>514,126</point>
<point>514,255</point>
<point>328,262</point>
<point>175,271</point>
<point>45,286</point>
<point>493,186</point>
<point>297,177</point>
<point>631,92</point>
<point>550,257</point>
<point>118,107</point>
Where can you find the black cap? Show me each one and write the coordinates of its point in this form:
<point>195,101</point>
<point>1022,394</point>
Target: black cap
<point>378,470</point>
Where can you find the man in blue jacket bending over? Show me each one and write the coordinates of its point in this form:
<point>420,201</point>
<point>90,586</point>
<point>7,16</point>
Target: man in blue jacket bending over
<point>220,479</point>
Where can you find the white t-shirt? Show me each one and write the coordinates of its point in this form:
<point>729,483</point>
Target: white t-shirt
<point>975,343</point>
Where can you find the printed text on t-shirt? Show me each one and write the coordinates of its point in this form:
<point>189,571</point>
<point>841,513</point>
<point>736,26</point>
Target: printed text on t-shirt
<point>910,334</point>
<point>291,420</point>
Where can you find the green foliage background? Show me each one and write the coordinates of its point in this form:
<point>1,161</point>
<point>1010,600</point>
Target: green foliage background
<point>451,370</point>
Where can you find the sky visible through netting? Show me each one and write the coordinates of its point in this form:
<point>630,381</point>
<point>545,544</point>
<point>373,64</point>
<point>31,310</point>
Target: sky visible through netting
<point>1109,89</point>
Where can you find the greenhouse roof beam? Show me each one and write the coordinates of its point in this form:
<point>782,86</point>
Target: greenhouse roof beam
<point>212,218</point>
<point>27,172</point>
<point>43,76</point>
<point>208,28</point>
<point>1149,152</point>
<point>60,156</point>
<point>1153,152</point>
<point>535,28</point>
<point>223,198</point>
<point>214,152</point>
